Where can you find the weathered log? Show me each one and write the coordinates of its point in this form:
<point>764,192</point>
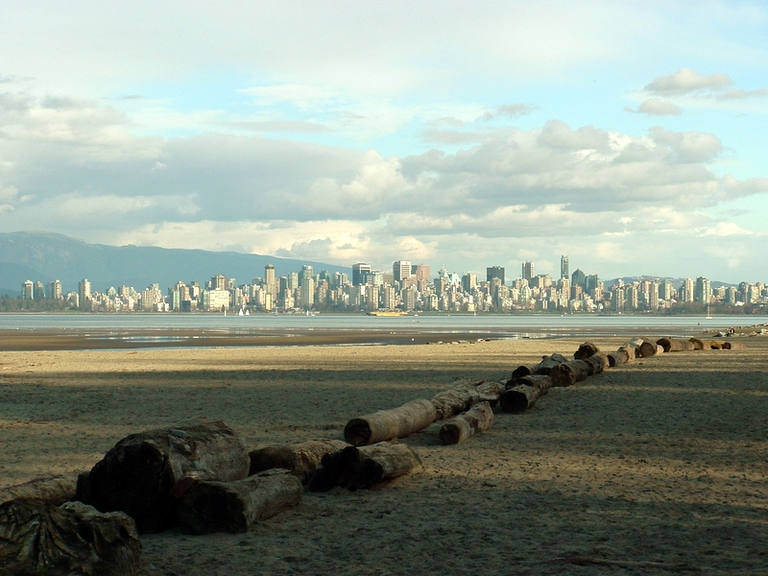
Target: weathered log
<point>37,537</point>
<point>519,372</point>
<point>145,473</point>
<point>621,356</point>
<point>585,351</point>
<point>597,363</point>
<point>525,392</point>
<point>699,344</point>
<point>478,418</point>
<point>361,467</point>
<point>715,345</point>
<point>52,489</point>
<point>548,362</point>
<point>300,459</point>
<point>390,424</point>
<point>675,344</point>
<point>462,395</point>
<point>569,373</point>
<point>649,348</point>
<point>734,345</point>
<point>234,506</point>
<point>631,351</point>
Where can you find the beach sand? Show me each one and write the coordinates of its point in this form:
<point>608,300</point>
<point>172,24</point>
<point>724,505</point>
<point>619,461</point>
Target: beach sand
<point>663,460</point>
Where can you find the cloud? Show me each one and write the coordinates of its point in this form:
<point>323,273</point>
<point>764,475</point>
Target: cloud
<point>656,107</point>
<point>508,110</point>
<point>686,81</point>
<point>688,147</point>
<point>291,126</point>
<point>737,94</point>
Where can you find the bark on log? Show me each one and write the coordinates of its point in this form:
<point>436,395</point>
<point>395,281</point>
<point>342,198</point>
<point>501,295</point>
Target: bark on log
<point>53,489</point>
<point>699,344</point>
<point>145,473</point>
<point>74,538</point>
<point>462,395</point>
<point>390,424</point>
<point>478,418</point>
<point>361,467</point>
<point>300,459</point>
<point>631,351</point>
<point>715,345</point>
<point>524,393</point>
<point>621,356</point>
<point>675,344</point>
<point>569,373</point>
<point>585,351</point>
<point>649,348</point>
<point>733,345</point>
<point>597,363</point>
<point>547,363</point>
<point>234,506</point>
<point>519,372</point>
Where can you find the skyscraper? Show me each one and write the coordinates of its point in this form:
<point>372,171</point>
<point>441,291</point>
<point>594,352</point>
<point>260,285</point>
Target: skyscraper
<point>359,273</point>
<point>401,269</point>
<point>528,270</point>
<point>564,267</point>
<point>495,272</point>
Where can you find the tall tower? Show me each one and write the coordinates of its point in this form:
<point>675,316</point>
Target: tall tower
<point>564,267</point>
<point>495,272</point>
<point>269,279</point>
<point>401,269</point>
<point>359,273</point>
<point>528,270</point>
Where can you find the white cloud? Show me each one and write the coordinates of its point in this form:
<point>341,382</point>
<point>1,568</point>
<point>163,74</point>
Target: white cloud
<point>656,107</point>
<point>687,80</point>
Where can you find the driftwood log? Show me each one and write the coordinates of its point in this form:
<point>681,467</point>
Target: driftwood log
<point>300,459</point>
<point>477,419</point>
<point>524,392</point>
<point>462,395</point>
<point>361,467</point>
<point>577,370</point>
<point>675,344</point>
<point>144,474</point>
<point>53,489</point>
<point>648,348</point>
<point>585,351</point>
<point>390,424</point>
<point>621,356</point>
<point>544,367</point>
<point>733,345</point>
<point>699,344</point>
<point>234,506</point>
<point>38,538</point>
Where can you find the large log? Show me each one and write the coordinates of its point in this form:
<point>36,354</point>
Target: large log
<point>145,473</point>
<point>699,344</point>
<point>577,370</point>
<point>361,467</point>
<point>733,345</point>
<point>675,344</point>
<point>649,348</point>
<point>462,395</point>
<point>390,424</point>
<point>524,393</point>
<point>631,351</point>
<point>621,356</point>
<point>234,506</point>
<point>52,489</point>
<point>477,419</point>
<point>300,459</point>
<point>38,538</point>
<point>597,363</point>
<point>585,351</point>
<point>543,367</point>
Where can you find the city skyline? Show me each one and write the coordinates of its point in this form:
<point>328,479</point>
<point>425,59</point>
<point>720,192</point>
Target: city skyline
<point>628,135</point>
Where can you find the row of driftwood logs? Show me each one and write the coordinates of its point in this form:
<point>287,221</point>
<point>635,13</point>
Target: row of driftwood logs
<point>201,478</point>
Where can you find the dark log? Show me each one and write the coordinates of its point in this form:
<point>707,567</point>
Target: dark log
<point>519,372</point>
<point>300,459</point>
<point>699,344</point>
<point>569,373</point>
<point>621,356</point>
<point>585,351</point>
<point>477,419</point>
<point>390,424</point>
<point>361,467</point>
<point>524,394</point>
<point>462,395</point>
<point>675,344</point>
<point>715,345</point>
<point>649,348</point>
<point>597,363</point>
<point>144,474</point>
<point>53,489</point>
<point>547,363</point>
<point>38,538</point>
<point>733,345</point>
<point>234,506</point>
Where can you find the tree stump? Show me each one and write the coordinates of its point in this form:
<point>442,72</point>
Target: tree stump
<point>234,506</point>
<point>390,424</point>
<point>478,418</point>
<point>144,474</point>
<point>300,459</point>
<point>38,538</point>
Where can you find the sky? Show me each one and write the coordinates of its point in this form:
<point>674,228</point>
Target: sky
<point>630,136</point>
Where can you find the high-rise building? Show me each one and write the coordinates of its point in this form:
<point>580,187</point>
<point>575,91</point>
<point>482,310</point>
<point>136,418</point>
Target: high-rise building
<point>28,290</point>
<point>359,270</point>
<point>84,292</point>
<point>494,272</point>
<point>703,290</point>
<point>55,291</point>
<point>219,282</point>
<point>269,279</point>
<point>564,267</point>
<point>401,269</point>
<point>578,278</point>
<point>528,270</point>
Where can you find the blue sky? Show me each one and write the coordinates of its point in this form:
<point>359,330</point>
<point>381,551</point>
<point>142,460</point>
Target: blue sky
<point>629,135</point>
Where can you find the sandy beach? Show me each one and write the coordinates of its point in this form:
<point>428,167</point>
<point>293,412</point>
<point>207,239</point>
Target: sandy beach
<point>663,460</point>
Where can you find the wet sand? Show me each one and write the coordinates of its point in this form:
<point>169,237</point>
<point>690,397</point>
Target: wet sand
<point>661,461</point>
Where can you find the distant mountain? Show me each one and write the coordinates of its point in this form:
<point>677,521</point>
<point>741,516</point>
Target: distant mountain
<point>47,257</point>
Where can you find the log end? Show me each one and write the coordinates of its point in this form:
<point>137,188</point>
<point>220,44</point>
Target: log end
<point>454,432</point>
<point>514,402</point>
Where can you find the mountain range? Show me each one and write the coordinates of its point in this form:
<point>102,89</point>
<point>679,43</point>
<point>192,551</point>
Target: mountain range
<point>46,257</point>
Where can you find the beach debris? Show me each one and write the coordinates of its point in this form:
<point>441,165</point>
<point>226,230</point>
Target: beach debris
<point>675,345</point>
<point>37,537</point>
<point>301,459</point>
<point>621,356</point>
<point>464,394</point>
<point>144,474</point>
<point>52,489</point>
<point>522,394</point>
<point>389,424</point>
<point>543,367</point>
<point>356,467</point>
<point>699,344</point>
<point>233,507</point>
<point>477,419</point>
<point>577,370</point>
<point>585,351</point>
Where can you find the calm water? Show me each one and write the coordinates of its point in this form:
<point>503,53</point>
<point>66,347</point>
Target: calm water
<point>510,326</point>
